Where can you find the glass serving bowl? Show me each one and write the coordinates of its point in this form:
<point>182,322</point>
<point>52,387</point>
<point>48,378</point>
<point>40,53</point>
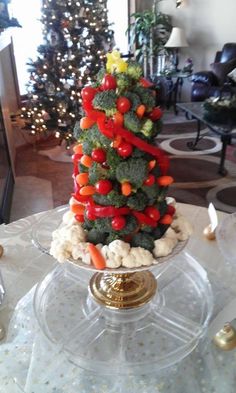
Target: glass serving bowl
<point>226,237</point>
<point>135,341</point>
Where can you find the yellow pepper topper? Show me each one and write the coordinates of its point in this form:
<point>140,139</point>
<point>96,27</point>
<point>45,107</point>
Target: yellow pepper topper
<point>115,63</point>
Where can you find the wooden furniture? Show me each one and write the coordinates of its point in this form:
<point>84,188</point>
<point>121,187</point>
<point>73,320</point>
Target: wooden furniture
<point>9,103</point>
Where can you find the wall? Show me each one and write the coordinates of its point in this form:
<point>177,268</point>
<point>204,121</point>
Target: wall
<point>208,25</point>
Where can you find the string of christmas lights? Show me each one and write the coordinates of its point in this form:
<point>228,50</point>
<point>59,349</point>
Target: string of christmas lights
<point>76,39</point>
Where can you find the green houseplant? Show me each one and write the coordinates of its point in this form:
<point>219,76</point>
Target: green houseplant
<point>149,32</point>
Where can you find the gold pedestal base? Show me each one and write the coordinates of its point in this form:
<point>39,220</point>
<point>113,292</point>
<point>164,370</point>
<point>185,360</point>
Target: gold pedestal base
<point>123,291</point>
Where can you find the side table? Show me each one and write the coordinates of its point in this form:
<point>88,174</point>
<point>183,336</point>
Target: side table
<point>169,88</point>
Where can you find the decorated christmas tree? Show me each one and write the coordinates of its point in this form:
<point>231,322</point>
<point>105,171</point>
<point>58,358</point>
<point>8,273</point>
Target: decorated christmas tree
<point>120,175</point>
<point>76,38</point>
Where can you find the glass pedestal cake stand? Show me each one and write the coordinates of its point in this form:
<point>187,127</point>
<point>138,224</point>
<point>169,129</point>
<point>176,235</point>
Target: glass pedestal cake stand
<point>123,321</point>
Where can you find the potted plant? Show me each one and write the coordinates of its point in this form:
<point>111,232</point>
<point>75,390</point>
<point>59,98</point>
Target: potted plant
<point>149,32</point>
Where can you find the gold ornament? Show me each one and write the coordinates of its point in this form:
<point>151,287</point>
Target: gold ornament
<point>225,339</point>
<point>208,233</point>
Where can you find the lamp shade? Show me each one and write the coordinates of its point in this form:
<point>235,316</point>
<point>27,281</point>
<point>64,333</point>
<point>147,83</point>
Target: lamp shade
<point>177,39</point>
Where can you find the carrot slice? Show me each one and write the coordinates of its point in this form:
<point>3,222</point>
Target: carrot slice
<point>140,111</point>
<point>126,188</point>
<point>96,256</point>
<point>165,181</point>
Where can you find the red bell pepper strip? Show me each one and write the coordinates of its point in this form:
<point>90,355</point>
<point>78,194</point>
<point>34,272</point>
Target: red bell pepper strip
<point>81,198</point>
<point>106,211</point>
<point>143,219</point>
<point>106,127</point>
<point>138,142</point>
<point>145,82</point>
<point>95,115</point>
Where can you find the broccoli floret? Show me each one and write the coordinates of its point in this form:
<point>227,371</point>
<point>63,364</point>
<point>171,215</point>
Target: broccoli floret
<point>133,98</point>
<point>94,138</point>
<point>88,224</point>
<point>162,207</point>
<point>146,97</point>
<point>162,194</point>
<point>123,82</point>
<point>143,240</point>
<point>152,192</point>
<point>106,101</point>
<point>112,159</point>
<point>130,226</point>
<point>100,75</point>
<point>112,198</point>
<point>111,237</point>
<point>134,70</point>
<point>87,147</point>
<point>94,236</point>
<point>138,201</point>
<point>77,130</point>
<point>132,122</point>
<point>159,231</point>
<point>97,172</point>
<point>103,225</point>
<point>138,153</point>
<point>82,168</point>
<point>132,170</point>
<point>147,128</point>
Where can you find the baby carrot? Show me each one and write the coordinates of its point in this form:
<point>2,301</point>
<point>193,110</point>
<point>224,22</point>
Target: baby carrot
<point>140,111</point>
<point>151,164</point>
<point>82,178</point>
<point>96,256</point>
<point>86,161</point>
<point>87,190</point>
<point>165,181</point>
<point>77,208</point>
<point>78,149</point>
<point>117,141</point>
<point>126,188</point>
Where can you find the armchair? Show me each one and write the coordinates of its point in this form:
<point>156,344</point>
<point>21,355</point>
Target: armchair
<point>213,83</point>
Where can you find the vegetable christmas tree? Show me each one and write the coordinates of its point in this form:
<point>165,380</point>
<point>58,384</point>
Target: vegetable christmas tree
<point>120,176</point>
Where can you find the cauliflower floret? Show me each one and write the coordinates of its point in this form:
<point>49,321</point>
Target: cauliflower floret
<point>113,260</point>
<point>163,246</point>
<point>80,251</point>
<point>75,234</point>
<point>60,250</point>
<point>171,201</point>
<point>137,257</point>
<point>182,227</point>
<point>170,233</point>
<point>119,247</point>
<point>69,218</point>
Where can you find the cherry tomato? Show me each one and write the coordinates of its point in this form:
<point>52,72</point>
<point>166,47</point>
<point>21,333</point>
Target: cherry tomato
<point>145,82</point>
<point>153,213</point>
<point>123,104</point>
<point>118,223</point>
<point>170,210</point>
<point>103,186</point>
<point>76,157</point>
<point>88,93</point>
<point>79,218</point>
<point>109,82</point>
<point>125,149</point>
<point>150,180</point>
<point>155,114</point>
<point>99,155</point>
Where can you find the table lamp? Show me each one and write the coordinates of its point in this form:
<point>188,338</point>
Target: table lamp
<point>176,40</point>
